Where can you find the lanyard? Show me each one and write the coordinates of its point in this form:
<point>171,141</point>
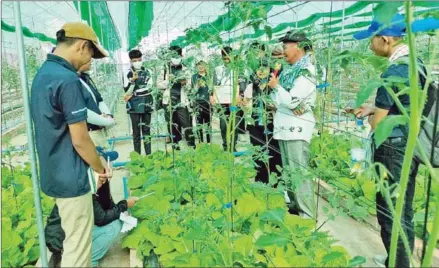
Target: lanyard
<point>89,90</point>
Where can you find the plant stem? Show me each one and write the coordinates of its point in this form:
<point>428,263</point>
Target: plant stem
<point>412,137</point>
<point>392,212</point>
<point>433,239</point>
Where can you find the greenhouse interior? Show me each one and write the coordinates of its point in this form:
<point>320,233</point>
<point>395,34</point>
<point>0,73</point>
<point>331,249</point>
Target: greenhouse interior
<point>220,134</point>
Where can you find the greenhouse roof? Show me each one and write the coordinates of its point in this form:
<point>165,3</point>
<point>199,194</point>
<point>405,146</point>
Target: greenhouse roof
<point>125,25</point>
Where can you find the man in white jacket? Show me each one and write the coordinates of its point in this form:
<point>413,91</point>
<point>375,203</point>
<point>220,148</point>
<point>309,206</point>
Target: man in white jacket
<point>294,95</point>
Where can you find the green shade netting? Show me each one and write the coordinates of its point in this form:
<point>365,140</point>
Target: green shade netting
<point>101,22</point>
<point>28,33</point>
<point>328,30</point>
<point>349,11</point>
<point>140,18</point>
<point>225,22</point>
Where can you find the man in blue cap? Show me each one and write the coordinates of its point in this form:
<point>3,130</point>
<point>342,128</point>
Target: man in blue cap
<point>385,41</point>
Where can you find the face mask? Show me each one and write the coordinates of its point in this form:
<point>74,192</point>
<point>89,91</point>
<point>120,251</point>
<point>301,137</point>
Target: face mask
<point>137,65</point>
<point>175,61</point>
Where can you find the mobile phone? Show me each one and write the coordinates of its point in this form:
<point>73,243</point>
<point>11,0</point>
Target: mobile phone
<point>349,110</point>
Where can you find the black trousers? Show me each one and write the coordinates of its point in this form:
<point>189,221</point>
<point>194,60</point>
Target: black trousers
<point>141,125</point>
<point>258,137</point>
<point>181,123</point>
<point>391,155</point>
<point>203,116</point>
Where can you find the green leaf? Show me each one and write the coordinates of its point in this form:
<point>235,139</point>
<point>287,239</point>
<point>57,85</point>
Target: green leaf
<point>164,246</point>
<point>135,182</point>
<point>385,127</point>
<point>272,239</point>
<point>366,90</point>
<point>332,256</point>
<point>357,261</point>
<point>248,205</point>
<point>385,11</point>
<point>274,216</point>
<point>268,31</point>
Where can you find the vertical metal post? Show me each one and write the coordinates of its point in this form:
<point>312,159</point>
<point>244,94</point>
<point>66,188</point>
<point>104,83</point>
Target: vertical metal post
<point>167,32</point>
<point>29,133</point>
<point>341,80</point>
<point>80,12</point>
<point>89,14</point>
<point>297,18</point>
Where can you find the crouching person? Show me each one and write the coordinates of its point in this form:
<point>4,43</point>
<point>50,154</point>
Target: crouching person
<point>107,226</point>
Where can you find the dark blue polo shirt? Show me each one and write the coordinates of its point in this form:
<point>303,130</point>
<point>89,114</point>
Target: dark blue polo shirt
<point>385,101</point>
<point>56,101</point>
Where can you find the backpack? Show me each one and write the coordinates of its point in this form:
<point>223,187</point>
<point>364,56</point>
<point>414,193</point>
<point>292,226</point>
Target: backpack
<point>429,132</point>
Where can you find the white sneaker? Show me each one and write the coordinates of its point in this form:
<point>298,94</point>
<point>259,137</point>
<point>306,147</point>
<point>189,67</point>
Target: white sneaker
<point>380,260</point>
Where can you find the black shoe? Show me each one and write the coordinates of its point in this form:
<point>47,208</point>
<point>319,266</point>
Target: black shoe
<point>293,211</point>
<point>55,260</point>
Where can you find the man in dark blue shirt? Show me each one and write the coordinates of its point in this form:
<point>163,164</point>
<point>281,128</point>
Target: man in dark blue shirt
<point>65,150</point>
<point>386,42</point>
<point>140,101</point>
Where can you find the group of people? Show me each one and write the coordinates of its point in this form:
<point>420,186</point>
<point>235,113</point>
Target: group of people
<point>70,119</point>
<point>283,123</point>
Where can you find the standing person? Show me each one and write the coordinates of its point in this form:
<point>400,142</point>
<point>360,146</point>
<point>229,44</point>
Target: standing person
<point>202,99</point>
<point>98,114</point>
<point>139,102</point>
<point>176,101</point>
<point>294,95</point>
<point>261,132</point>
<point>223,93</point>
<point>65,149</point>
<point>387,43</point>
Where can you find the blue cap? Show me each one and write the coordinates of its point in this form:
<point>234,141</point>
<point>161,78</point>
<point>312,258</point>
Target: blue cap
<point>113,155</point>
<point>395,28</point>
<point>425,25</point>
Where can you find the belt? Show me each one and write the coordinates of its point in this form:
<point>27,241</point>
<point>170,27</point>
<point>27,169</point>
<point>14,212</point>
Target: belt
<point>140,94</point>
<point>394,140</point>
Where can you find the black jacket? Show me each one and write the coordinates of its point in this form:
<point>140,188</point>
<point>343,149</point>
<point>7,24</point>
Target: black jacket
<point>105,212</point>
<point>141,102</point>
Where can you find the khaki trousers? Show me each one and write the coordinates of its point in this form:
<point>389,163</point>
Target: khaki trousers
<point>99,138</point>
<point>77,221</point>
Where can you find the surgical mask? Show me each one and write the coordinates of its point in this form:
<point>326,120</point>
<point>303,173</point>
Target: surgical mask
<point>175,61</point>
<point>137,65</point>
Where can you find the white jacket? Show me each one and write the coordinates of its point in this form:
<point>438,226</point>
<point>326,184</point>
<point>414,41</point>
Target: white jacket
<point>288,126</point>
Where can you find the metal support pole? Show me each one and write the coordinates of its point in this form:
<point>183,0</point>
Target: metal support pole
<point>167,32</point>
<point>341,80</point>
<point>80,12</point>
<point>89,14</point>
<point>29,133</point>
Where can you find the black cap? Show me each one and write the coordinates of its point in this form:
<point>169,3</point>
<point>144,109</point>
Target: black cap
<point>297,37</point>
<point>294,37</point>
